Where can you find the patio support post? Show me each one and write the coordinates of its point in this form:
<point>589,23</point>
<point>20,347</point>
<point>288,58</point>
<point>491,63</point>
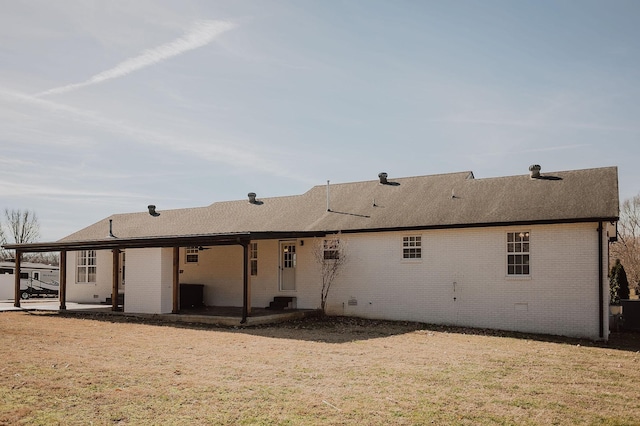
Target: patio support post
<point>62,289</point>
<point>16,300</point>
<point>114,280</point>
<point>245,281</point>
<point>176,280</point>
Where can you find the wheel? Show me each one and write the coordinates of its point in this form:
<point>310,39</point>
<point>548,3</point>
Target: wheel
<point>24,295</point>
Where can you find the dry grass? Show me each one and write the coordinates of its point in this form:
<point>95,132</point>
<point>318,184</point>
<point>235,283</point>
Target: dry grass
<point>98,370</point>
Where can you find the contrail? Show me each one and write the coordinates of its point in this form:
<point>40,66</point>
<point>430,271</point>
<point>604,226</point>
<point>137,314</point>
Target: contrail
<point>200,34</point>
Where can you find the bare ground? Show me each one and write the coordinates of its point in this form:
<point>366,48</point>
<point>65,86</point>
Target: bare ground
<point>92,369</point>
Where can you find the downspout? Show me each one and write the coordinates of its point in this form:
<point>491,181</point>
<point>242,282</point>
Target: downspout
<point>600,280</point>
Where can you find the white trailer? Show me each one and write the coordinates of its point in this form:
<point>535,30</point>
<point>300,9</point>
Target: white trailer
<point>36,280</point>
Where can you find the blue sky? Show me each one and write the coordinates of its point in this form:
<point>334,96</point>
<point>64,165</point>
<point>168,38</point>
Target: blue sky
<point>108,106</point>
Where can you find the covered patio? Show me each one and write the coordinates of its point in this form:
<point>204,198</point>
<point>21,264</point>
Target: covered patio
<point>221,315</point>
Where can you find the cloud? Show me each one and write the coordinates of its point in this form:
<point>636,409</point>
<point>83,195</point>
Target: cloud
<point>199,35</point>
<point>220,150</point>
<point>16,189</point>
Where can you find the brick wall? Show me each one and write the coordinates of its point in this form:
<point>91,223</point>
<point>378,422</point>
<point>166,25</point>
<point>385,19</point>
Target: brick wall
<point>461,280</point>
<point>90,292</point>
<point>149,280</point>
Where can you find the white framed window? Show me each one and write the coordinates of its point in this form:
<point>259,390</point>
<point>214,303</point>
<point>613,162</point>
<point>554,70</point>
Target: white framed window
<point>412,247</point>
<point>191,254</point>
<point>331,249</point>
<point>518,253</point>
<point>253,258</point>
<point>86,266</point>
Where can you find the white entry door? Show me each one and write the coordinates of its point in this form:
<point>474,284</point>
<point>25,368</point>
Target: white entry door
<point>287,265</point>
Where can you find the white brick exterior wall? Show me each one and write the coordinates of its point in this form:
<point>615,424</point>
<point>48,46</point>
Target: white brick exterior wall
<point>90,292</point>
<point>460,280</point>
<point>559,297</point>
<point>149,281</point>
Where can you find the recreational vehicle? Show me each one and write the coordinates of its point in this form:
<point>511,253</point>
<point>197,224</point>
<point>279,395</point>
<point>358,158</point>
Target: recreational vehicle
<point>36,280</point>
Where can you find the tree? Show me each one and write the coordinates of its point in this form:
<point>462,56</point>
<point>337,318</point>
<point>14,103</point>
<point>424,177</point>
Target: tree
<point>330,254</point>
<point>627,248</point>
<point>618,283</point>
<point>19,227</point>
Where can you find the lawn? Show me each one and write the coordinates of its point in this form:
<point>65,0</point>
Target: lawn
<point>70,369</point>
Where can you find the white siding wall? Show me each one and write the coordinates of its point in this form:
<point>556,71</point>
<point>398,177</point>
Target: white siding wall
<point>90,292</point>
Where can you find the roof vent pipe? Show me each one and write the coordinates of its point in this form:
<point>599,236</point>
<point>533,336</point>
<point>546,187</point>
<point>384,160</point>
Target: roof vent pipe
<point>328,207</point>
<point>152,210</point>
<point>383,178</point>
<point>534,171</point>
<point>252,197</point>
<point>111,229</point>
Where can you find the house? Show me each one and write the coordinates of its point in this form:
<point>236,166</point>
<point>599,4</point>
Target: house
<point>526,253</point>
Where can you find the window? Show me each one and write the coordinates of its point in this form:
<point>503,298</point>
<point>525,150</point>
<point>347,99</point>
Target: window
<point>253,258</point>
<point>192,254</point>
<point>412,247</point>
<point>331,249</point>
<point>86,266</point>
<point>518,253</point>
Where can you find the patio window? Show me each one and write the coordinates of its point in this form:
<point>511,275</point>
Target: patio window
<point>192,254</point>
<point>86,266</point>
<point>253,258</point>
<point>518,253</point>
<point>412,247</point>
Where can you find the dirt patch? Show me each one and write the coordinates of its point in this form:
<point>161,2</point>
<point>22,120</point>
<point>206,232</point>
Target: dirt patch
<point>71,369</point>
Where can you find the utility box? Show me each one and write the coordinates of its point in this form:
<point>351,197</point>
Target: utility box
<point>631,314</point>
<point>191,296</point>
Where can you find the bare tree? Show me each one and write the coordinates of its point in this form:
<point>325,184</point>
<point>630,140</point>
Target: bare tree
<point>330,254</point>
<point>20,227</point>
<point>48,258</point>
<point>3,241</point>
<point>627,248</point>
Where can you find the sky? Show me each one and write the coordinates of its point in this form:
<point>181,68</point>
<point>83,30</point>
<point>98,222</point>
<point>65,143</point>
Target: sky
<point>109,106</point>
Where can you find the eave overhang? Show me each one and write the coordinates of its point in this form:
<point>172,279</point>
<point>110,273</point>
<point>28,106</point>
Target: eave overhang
<point>241,238</point>
<point>110,243</point>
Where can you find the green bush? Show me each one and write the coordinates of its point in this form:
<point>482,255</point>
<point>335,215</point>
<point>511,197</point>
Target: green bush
<point>618,283</point>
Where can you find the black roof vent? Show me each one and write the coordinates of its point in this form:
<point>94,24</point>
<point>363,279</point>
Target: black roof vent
<point>152,210</point>
<point>252,199</point>
<point>383,178</point>
<point>534,171</point>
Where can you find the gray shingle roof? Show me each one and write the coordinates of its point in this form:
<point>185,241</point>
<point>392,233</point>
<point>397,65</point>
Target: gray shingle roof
<point>446,200</point>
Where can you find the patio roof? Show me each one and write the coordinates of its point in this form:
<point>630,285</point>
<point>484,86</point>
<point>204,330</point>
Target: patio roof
<point>162,241</point>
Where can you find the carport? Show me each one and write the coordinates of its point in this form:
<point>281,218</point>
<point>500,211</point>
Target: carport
<point>116,245</point>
